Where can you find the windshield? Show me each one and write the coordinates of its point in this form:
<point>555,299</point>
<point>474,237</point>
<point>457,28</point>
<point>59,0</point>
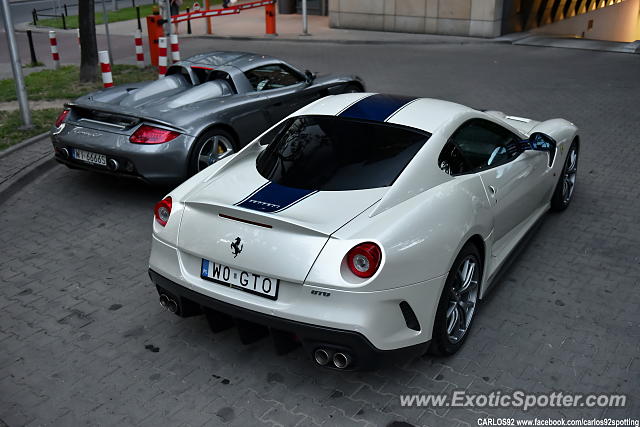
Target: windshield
<point>335,153</point>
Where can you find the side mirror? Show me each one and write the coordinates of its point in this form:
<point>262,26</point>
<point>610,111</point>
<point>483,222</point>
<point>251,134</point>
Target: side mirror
<point>540,142</point>
<point>309,76</point>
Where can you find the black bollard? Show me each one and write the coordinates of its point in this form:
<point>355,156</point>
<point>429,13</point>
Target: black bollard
<point>34,60</point>
<point>188,23</point>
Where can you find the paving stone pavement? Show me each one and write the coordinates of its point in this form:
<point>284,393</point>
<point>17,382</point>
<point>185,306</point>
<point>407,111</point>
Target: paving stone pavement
<point>83,339</point>
<point>17,161</point>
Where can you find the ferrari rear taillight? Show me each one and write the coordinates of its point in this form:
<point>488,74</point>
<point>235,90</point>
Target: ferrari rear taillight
<point>152,135</point>
<point>363,260</point>
<point>61,118</point>
<point>162,211</point>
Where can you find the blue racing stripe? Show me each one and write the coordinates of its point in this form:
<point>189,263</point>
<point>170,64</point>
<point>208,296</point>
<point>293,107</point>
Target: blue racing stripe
<point>377,107</point>
<point>274,198</point>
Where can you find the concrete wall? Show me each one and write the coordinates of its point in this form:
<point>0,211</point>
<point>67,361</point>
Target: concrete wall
<point>619,22</point>
<point>480,18</point>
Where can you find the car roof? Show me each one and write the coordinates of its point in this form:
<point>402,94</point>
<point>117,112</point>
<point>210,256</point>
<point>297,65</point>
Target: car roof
<point>241,60</point>
<point>427,114</point>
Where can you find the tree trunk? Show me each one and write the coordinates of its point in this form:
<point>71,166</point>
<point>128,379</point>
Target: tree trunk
<point>88,45</point>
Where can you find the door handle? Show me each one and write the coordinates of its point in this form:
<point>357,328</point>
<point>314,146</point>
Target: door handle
<point>492,190</point>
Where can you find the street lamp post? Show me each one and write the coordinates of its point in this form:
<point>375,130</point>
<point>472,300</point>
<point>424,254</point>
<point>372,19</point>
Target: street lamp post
<point>167,27</point>
<point>16,66</point>
<point>106,29</point>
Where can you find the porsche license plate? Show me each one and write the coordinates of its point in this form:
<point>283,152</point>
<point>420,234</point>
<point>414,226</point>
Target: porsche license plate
<point>89,157</point>
<point>240,279</point>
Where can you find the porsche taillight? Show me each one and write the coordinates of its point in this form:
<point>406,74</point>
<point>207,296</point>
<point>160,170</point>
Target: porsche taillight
<point>364,259</point>
<point>162,211</point>
<point>152,135</point>
<point>62,117</point>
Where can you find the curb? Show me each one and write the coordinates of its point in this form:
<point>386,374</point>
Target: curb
<point>303,39</point>
<point>25,177</point>
<point>25,26</point>
<point>517,39</point>
<point>22,144</point>
<point>29,173</point>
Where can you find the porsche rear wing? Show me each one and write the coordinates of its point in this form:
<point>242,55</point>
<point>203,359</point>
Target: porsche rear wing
<point>119,117</point>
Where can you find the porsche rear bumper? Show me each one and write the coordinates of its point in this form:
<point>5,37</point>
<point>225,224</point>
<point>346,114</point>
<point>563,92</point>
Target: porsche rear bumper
<point>286,333</point>
<point>158,164</point>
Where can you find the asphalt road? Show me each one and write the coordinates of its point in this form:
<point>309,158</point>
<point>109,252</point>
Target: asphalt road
<point>84,340</point>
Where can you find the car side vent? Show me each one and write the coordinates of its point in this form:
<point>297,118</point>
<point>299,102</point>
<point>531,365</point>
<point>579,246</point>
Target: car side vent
<point>409,316</point>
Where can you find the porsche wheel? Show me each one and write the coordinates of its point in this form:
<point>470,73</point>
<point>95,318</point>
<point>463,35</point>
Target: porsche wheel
<point>567,182</point>
<point>458,302</point>
<point>211,146</point>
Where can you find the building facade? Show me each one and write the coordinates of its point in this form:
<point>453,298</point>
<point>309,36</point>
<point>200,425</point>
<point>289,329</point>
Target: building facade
<point>616,20</point>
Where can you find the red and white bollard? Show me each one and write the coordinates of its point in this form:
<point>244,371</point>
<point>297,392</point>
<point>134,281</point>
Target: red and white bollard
<point>53,42</point>
<point>78,35</point>
<point>175,48</point>
<point>162,57</point>
<point>105,67</point>
<point>139,49</point>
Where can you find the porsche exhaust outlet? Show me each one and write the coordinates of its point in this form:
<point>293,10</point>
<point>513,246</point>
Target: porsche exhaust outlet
<point>341,360</point>
<point>322,357</point>
<point>113,164</point>
<point>65,153</point>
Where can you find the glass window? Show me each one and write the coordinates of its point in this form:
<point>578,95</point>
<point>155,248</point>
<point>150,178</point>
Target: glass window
<point>478,144</point>
<point>200,72</point>
<point>272,77</point>
<point>335,153</point>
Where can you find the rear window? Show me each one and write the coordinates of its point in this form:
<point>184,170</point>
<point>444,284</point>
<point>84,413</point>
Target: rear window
<point>334,153</point>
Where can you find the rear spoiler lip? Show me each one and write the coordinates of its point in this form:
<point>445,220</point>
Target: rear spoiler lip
<point>123,112</point>
<point>247,216</point>
<point>268,220</point>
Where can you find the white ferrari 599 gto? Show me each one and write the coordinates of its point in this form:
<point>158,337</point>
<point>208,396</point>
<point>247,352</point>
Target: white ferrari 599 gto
<point>363,226</point>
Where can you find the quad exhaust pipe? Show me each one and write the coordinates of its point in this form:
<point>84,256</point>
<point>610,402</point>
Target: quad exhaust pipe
<point>322,357</point>
<point>168,303</point>
<point>338,359</point>
<point>341,360</point>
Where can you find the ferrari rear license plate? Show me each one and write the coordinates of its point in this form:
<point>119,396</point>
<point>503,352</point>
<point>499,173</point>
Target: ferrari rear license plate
<point>89,157</point>
<point>239,279</point>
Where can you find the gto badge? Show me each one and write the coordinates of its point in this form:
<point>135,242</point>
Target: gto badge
<point>320,293</point>
<point>236,247</point>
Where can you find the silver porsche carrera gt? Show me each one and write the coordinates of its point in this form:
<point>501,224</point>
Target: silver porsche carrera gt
<point>206,108</point>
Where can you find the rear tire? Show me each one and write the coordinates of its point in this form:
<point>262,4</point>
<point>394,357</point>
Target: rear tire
<point>458,302</point>
<point>211,146</point>
<point>566,183</point>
